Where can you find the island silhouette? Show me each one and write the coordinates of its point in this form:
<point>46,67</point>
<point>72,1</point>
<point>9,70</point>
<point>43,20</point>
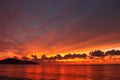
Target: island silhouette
<point>15,61</point>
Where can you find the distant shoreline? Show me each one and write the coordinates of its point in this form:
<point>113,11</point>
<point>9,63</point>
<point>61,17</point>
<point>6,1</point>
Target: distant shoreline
<point>11,61</point>
<point>50,64</point>
<point>81,64</point>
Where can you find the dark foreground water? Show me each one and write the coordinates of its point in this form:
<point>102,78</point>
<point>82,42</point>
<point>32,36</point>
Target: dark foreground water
<point>61,72</point>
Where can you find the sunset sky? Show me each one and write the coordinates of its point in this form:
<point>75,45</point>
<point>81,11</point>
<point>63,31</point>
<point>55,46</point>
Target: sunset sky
<point>58,26</point>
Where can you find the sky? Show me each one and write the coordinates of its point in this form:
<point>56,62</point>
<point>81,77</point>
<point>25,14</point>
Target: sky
<point>58,26</point>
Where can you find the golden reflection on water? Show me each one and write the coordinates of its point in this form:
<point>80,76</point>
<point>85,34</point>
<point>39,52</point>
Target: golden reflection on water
<point>61,72</point>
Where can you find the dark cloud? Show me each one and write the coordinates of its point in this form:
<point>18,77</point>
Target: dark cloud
<point>112,52</point>
<point>97,53</point>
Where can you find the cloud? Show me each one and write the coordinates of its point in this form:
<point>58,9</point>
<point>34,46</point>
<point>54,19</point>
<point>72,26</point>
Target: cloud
<point>97,53</point>
<point>68,26</point>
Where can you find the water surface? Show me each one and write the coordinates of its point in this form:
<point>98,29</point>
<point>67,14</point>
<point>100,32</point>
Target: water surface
<point>62,72</point>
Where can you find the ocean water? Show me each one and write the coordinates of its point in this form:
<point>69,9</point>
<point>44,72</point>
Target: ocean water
<point>62,72</point>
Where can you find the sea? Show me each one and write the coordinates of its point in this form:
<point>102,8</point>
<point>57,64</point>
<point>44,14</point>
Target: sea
<point>61,72</point>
